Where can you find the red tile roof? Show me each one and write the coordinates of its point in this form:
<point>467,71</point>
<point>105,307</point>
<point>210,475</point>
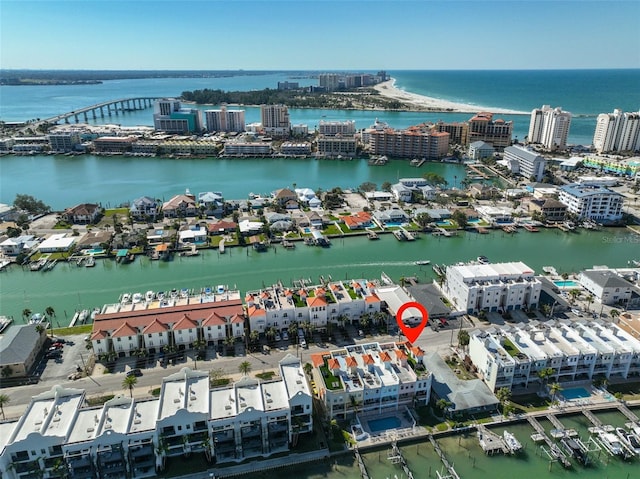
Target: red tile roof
<point>368,359</point>
<point>351,362</point>
<point>417,351</point>
<point>317,359</point>
<point>254,311</point>
<point>221,226</point>
<point>400,354</point>
<point>384,357</point>
<point>155,327</point>
<point>214,319</point>
<point>333,364</point>
<point>140,319</point>
<point>372,298</point>
<point>125,329</point>
<point>185,323</point>
<point>99,335</point>
<point>316,301</point>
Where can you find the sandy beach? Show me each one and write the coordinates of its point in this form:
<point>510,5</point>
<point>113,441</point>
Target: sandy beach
<point>388,89</point>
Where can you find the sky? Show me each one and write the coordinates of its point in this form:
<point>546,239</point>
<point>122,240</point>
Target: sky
<point>318,34</point>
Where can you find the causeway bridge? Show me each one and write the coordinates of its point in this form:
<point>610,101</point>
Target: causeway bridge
<point>107,108</point>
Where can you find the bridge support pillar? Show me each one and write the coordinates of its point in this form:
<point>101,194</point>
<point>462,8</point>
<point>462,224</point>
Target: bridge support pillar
<point>101,112</point>
<point>109,109</point>
<point>85,117</point>
<point>94,113</point>
<point>76,118</point>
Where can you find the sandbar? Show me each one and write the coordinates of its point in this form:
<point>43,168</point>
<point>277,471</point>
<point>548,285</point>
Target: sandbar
<point>389,90</point>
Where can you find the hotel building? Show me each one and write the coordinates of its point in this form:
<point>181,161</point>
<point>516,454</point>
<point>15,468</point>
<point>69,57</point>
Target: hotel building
<point>225,120</point>
<point>171,117</point>
<point>512,357</point>
<point>492,287</point>
<point>592,202</point>
<point>549,127</point>
<point>337,145</point>
<point>413,142</point>
<point>59,436</point>
<point>275,119</point>
<point>331,128</point>
<point>371,379</point>
<point>278,307</point>
<point>482,127</point>
<point>617,131</point>
<point>524,162</point>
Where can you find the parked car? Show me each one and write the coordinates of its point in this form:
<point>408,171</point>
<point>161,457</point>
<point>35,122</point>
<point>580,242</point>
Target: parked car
<point>55,354</point>
<point>134,372</point>
<point>285,336</point>
<point>278,338</point>
<point>303,343</point>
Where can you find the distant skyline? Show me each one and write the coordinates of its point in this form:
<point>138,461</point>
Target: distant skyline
<point>318,34</point>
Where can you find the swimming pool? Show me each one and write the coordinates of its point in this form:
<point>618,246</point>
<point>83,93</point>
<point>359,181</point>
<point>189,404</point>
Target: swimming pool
<point>93,251</point>
<point>396,224</point>
<point>383,424</point>
<point>444,223</point>
<point>566,284</point>
<point>575,393</point>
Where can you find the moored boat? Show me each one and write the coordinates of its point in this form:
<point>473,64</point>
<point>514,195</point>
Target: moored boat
<point>91,262</point>
<point>575,449</point>
<point>511,441</point>
<point>148,296</point>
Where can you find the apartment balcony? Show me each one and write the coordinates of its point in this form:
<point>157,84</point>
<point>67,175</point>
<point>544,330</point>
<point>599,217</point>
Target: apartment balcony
<point>223,436</point>
<point>279,445</point>
<point>277,427</point>
<point>251,431</point>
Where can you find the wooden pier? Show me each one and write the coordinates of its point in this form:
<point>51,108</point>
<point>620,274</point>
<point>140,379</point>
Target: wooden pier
<point>491,442</point>
<point>363,469</point>
<point>560,431</point>
<point>597,424</point>
<point>396,457</point>
<point>450,469</point>
<point>628,413</point>
<point>553,453</point>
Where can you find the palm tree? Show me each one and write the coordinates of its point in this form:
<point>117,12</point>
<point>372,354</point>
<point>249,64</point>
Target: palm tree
<point>245,367</point>
<point>589,301</point>
<point>129,383</point>
<point>463,338</point>
<point>545,374</point>
<point>50,312</point>
<point>573,295</point>
<point>26,313</point>
<point>308,368</point>
<point>554,389</point>
<point>614,314</point>
<point>504,396</point>
<point>4,399</point>
<point>271,333</point>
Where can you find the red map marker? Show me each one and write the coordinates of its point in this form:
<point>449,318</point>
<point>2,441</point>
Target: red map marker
<point>412,333</point>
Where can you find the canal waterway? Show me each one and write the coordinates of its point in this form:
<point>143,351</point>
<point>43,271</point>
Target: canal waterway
<point>470,462</point>
<point>68,288</point>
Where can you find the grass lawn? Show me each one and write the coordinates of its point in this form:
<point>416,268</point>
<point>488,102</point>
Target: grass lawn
<point>83,329</point>
<point>117,211</point>
<point>332,230</point>
<point>530,403</point>
<point>99,400</point>
<point>331,382</point>
<point>629,390</point>
<point>180,465</point>
<point>510,348</point>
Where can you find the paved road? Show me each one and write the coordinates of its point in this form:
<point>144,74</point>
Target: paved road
<point>111,383</point>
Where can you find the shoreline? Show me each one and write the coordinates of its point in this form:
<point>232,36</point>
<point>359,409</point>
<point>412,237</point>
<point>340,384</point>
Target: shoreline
<point>388,89</point>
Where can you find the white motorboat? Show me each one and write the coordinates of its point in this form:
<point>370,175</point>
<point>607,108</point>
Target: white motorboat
<point>148,296</point>
<point>422,262</point>
<point>126,298</point>
<point>511,441</point>
<point>612,443</point>
<point>136,298</point>
<point>628,439</point>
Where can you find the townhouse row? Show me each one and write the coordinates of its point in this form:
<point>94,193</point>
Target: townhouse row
<point>513,357</point>
<point>60,436</point>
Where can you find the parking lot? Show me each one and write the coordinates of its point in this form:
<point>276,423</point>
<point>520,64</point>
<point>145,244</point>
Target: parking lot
<point>74,356</point>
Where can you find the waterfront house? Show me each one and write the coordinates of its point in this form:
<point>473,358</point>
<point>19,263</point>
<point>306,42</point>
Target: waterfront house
<point>315,219</point>
<point>284,196</point>
<point>83,214</point>
<point>17,245</point>
<point>358,221</point>
<point>180,206</point>
<point>378,196</point>
<point>56,243</point>
<point>249,227</point>
<point>552,210</point>
<point>370,378</point>
<point>144,208</point>
<point>211,203</point>
<point>402,192</point>
<point>222,227</point>
<point>94,239</point>
<point>308,197</point>
<point>479,150</point>
<point>192,235</point>
<point>496,214</point>
<point>392,215</point>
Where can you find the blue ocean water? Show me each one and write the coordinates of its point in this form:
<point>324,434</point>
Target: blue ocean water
<point>585,93</point>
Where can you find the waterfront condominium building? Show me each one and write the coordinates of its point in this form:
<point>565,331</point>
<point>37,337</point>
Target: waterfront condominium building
<point>371,379</point>
<point>549,127</point>
<point>131,438</point>
<point>482,127</point>
<point>525,162</point>
<point>617,131</point>
<point>492,287</point>
<point>458,131</point>
<point>279,307</point>
<point>331,128</point>
<point>594,202</point>
<point>275,119</point>
<point>225,120</point>
<point>512,357</point>
<point>337,146</point>
<point>170,116</point>
<point>329,81</point>
<point>414,142</point>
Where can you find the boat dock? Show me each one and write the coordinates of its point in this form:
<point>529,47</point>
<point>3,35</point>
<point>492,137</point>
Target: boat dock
<point>395,456</point>
<point>441,232</point>
<point>363,469</point>
<point>629,414</point>
<point>450,469</point>
<point>491,442</point>
<point>598,426</point>
<point>553,453</point>
<point>409,236</point>
<point>560,431</point>
<point>5,322</point>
